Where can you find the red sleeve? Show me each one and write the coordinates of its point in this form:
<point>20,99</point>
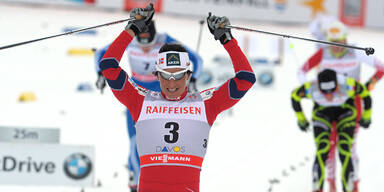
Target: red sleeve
<point>379,70</point>
<point>228,94</point>
<point>313,61</point>
<point>122,87</point>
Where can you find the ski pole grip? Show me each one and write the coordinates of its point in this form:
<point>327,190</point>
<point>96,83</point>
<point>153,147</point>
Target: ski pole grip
<point>369,50</point>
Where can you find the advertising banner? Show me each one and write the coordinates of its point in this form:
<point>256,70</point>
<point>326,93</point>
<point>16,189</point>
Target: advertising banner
<point>58,2</point>
<point>352,12</point>
<point>265,10</point>
<point>110,4</point>
<point>130,4</point>
<point>375,13</point>
<point>46,164</point>
<point>29,135</point>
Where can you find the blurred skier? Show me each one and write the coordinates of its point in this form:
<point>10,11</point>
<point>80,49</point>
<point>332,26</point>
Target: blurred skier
<point>318,26</point>
<point>334,103</point>
<point>173,125</point>
<point>346,62</point>
<point>142,54</point>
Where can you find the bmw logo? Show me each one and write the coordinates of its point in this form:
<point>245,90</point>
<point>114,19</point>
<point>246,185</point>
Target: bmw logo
<point>266,78</point>
<point>77,166</point>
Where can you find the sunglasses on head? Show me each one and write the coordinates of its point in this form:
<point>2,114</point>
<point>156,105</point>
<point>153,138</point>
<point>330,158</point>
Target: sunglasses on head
<point>175,76</point>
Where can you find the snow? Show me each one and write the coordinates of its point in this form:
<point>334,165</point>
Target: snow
<point>258,143</point>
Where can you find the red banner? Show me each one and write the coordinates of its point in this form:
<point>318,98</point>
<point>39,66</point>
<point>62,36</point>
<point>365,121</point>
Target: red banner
<point>352,12</point>
<point>130,4</point>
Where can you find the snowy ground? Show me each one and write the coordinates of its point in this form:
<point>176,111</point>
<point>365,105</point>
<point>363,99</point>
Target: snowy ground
<point>259,143</point>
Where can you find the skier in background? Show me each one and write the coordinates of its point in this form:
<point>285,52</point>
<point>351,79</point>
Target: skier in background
<point>334,105</point>
<point>348,63</point>
<point>173,125</point>
<point>318,26</point>
<point>142,53</point>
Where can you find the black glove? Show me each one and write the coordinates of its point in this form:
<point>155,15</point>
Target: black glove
<point>143,17</point>
<point>365,123</point>
<point>303,125</point>
<point>192,85</point>
<point>100,82</point>
<point>216,26</point>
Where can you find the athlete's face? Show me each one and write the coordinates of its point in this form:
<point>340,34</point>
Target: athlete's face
<point>330,96</point>
<point>145,48</point>
<point>338,49</point>
<point>171,87</point>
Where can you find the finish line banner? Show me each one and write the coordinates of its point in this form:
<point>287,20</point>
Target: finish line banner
<point>46,165</point>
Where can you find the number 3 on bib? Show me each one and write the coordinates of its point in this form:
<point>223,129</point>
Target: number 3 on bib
<point>174,136</point>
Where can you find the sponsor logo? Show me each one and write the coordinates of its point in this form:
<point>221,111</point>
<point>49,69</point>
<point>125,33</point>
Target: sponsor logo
<point>142,54</point>
<point>280,5</point>
<point>77,166</point>
<point>167,149</point>
<point>340,65</point>
<point>173,110</point>
<point>207,94</point>
<point>167,157</point>
<point>182,159</point>
<point>173,59</point>
<point>12,164</point>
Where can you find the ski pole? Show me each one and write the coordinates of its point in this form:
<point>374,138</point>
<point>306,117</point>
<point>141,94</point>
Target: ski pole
<point>201,22</point>
<point>66,33</point>
<point>368,50</point>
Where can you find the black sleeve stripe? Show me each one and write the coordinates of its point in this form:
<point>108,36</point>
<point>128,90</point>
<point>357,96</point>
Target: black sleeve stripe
<point>246,75</point>
<point>119,83</point>
<point>107,63</point>
<point>235,93</point>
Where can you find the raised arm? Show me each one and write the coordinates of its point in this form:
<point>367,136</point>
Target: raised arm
<point>228,94</point>
<point>122,87</point>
